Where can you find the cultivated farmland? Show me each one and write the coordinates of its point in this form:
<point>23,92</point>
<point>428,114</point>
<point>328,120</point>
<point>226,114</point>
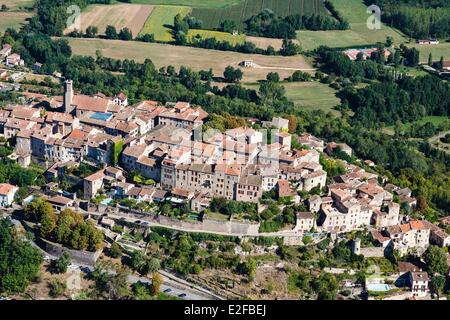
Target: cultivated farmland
<point>263,43</point>
<point>159,22</point>
<point>244,10</point>
<point>132,16</point>
<point>17,4</point>
<point>191,3</point>
<point>195,58</point>
<point>13,19</point>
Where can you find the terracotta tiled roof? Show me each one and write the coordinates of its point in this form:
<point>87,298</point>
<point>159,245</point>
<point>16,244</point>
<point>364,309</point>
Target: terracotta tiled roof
<point>6,188</point>
<point>87,103</point>
<point>95,176</point>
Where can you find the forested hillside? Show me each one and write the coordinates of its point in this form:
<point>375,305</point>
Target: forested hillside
<point>417,18</point>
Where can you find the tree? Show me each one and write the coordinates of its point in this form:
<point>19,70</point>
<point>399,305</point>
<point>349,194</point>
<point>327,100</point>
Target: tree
<point>248,268</point>
<point>137,260</point>
<point>125,34</point>
<point>61,264</point>
<point>111,32</point>
<point>141,291</point>
<point>436,260</point>
<point>271,92</point>
<point>48,223</point>
<point>430,59</point>
<point>325,286</point>
<point>115,251</point>
<point>232,75</point>
<point>389,41</point>
<point>293,123</point>
<point>228,26</point>
<point>110,285</point>
<point>57,288</point>
<point>37,208</point>
<point>289,48</point>
<point>180,24</point>
<point>91,31</point>
<point>117,285</point>
<point>153,265</point>
<point>437,284</point>
<point>273,77</point>
<point>157,281</point>
<point>422,204</point>
<point>441,63</point>
<point>19,260</point>
<point>117,150</point>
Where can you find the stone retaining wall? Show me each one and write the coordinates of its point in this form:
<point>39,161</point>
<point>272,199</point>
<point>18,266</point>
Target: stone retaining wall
<point>77,256</point>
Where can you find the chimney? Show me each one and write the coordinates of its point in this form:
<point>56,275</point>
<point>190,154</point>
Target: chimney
<point>68,96</point>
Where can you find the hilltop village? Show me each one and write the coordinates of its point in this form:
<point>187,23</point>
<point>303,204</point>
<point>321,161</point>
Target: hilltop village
<point>151,156</point>
<point>224,150</point>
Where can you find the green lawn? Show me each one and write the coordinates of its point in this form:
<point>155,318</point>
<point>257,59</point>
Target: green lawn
<point>218,216</point>
<point>437,51</point>
<point>159,20</point>
<point>309,95</point>
<point>354,11</point>
<point>220,36</point>
<point>312,95</point>
<point>191,3</point>
<point>13,19</point>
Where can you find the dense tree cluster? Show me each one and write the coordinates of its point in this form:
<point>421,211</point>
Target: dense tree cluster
<point>230,207</point>
<point>182,253</point>
<point>12,172</point>
<point>338,63</point>
<point>268,24</point>
<point>417,18</point>
<point>407,100</point>
<point>68,228</point>
<point>19,260</point>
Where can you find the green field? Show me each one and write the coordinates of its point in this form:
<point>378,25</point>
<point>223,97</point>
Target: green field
<point>437,51</point>
<point>191,3</point>
<point>160,19</point>
<point>354,11</point>
<point>219,36</point>
<point>312,95</point>
<point>309,95</point>
<point>245,9</point>
<point>13,19</point>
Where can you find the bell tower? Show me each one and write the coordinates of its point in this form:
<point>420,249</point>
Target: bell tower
<point>68,96</point>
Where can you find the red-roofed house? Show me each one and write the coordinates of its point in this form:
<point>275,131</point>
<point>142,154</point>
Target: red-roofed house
<point>7,193</point>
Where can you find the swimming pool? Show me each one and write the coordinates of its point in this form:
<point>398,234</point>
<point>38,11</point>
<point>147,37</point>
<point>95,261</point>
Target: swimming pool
<point>101,116</point>
<point>106,201</point>
<point>378,287</point>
